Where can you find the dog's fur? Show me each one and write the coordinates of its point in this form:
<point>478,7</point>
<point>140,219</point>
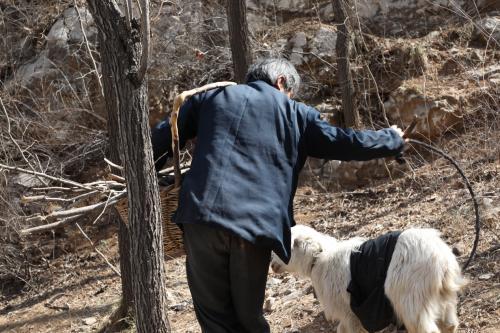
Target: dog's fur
<point>422,281</point>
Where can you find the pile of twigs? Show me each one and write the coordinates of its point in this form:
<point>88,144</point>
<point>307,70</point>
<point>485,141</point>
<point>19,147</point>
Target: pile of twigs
<point>68,200</point>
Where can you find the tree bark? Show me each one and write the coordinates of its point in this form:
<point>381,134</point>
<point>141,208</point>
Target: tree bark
<point>239,38</point>
<point>126,94</point>
<point>127,301</point>
<point>344,77</point>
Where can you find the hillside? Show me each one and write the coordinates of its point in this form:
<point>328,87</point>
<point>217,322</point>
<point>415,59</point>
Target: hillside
<point>438,60</point>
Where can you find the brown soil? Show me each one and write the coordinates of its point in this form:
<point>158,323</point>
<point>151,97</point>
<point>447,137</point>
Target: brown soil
<point>78,291</point>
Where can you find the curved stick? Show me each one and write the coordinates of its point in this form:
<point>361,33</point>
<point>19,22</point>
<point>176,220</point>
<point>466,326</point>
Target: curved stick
<point>469,187</point>
<point>178,101</point>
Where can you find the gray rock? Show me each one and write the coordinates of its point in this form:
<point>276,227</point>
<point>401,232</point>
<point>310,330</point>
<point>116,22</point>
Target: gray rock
<point>273,282</point>
<point>297,56</point>
<point>179,307</point>
<point>487,276</point>
<point>27,180</point>
<point>487,32</point>
<point>436,114</point>
<point>64,33</point>
<point>299,40</point>
<point>323,43</point>
<point>67,30</point>
<point>484,73</point>
<point>292,296</point>
<point>270,304</point>
<point>89,321</point>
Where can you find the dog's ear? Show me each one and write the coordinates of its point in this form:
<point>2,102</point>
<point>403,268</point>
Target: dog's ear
<point>309,245</point>
<point>297,242</point>
<point>316,248</point>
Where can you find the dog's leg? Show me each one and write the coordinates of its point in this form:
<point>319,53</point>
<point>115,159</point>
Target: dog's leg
<point>427,323</point>
<point>449,320</point>
<point>350,325</point>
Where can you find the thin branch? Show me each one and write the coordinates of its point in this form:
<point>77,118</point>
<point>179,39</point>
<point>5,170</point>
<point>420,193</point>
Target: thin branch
<point>57,188</point>
<point>317,57</point>
<point>113,268</point>
<point>49,226</point>
<point>119,179</point>
<point>111,164</point>
<point>169,170</point>
<point>128,13</point>
<point>25,199</point>
<point>103,209</point>
<point>14,141</point>
<point>76,211</point>
<point>88,48</point>
<point>61,180</point>
<point>106,183</point>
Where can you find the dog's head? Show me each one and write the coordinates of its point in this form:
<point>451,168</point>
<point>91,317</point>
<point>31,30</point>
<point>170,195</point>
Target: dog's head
<point>306,247</point>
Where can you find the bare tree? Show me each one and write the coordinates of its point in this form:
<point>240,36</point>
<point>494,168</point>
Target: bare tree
<point>124,50</point>
<point>341,9</point>
<point>239,38</point>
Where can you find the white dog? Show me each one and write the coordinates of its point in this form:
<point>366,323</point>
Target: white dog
<point>422,281</point>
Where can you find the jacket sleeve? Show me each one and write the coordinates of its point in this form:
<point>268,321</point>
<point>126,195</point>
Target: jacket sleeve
<point>161,136</point>
<point>329,142</point>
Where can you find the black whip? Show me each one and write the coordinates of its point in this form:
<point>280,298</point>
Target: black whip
<point>469,187</point>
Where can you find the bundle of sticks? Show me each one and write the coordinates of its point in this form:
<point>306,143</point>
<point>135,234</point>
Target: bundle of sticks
<point>70,200</point>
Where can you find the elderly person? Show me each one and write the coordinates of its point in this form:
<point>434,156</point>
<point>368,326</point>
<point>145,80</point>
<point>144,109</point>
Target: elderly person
<point>235,203</point>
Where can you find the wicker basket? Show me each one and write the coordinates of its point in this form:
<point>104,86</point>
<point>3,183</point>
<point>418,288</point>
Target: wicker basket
<point>172,235</point>
<point>173,246</point>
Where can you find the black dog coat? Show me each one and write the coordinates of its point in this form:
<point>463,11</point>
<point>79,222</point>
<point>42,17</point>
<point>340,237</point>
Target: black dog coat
<point>368,271</point>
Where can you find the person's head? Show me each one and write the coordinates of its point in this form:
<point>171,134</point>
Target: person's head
<point>278,72</point>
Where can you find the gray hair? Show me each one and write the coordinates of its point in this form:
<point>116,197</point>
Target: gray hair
<point>270,69</point>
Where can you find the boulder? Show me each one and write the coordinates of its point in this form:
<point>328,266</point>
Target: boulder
<point>67,31</point>
<point>297,44</point>
<point>487,32</point>
<point>323,43</point>
<point>64,33</point>
<point>436,114</point>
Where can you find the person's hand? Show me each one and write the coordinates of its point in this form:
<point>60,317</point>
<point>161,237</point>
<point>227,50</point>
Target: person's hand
<point>398,130</point>
<point>399,157</point>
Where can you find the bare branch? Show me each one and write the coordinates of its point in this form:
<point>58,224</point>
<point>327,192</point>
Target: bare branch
<point>14,141</point>
<point>49,226</point>
<point>76,211</point>
<point>119,179</point>
<point>113,268</point>
<point>128,13</point>
<point>25,199</point>
<point>111,164</point>
<point>61,180</point>
<point>88,48</point>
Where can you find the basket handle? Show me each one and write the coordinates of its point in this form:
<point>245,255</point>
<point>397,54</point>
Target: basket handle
<point>178,101</point>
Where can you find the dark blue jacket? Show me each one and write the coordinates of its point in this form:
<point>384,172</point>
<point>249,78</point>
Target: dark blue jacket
<point>252,141</point>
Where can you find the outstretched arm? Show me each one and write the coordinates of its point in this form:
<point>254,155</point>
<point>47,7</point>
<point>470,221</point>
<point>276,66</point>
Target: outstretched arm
<point>329,142</point>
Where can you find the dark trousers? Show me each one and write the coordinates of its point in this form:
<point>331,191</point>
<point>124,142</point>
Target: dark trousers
<point>227,279</point>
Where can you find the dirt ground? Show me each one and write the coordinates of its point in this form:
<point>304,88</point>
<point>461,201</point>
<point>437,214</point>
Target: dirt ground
<point>77,291</point>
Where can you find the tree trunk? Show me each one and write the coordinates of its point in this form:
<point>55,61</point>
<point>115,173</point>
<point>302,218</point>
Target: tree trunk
<point>349,107</point>
<point>120,50</point>
<point>123,234</point>
<point>238,37</point>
